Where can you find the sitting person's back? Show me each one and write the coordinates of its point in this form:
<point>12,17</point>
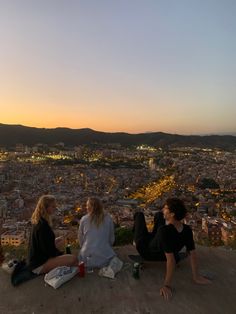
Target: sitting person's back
<point>96,235</point>
<point>43,252</point>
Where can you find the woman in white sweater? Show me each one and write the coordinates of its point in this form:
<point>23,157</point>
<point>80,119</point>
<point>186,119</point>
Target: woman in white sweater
<point>96,235</point>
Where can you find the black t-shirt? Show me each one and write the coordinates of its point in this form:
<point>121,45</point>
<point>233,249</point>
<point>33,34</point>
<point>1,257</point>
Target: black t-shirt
<point>169,240</point>
<point>41,244</point>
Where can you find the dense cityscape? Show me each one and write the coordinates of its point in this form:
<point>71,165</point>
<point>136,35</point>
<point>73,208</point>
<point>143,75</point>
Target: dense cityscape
<point>126,179</point>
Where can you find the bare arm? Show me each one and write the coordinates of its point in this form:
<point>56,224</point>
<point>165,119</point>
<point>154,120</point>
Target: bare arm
<point>170,267</point>
<point>193,262</point>
<point>166,290</point>
<point>60,243</point>
<point>196,277</point>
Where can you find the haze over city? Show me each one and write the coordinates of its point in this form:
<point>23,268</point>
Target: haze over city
<point>132,66</point>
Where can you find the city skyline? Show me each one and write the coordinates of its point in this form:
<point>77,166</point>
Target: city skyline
<point>126,66</point>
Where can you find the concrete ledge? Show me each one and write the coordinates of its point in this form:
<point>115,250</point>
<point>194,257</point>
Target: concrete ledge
<point>94,294</point>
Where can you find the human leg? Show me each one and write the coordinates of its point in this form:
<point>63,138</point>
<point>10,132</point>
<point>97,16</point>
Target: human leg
<point>62,260</point>
<point>159,221</point>
<point>141,234</point>
<point>154,249</point>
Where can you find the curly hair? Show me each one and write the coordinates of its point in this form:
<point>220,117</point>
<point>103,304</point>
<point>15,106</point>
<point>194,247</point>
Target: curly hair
<point>177,207</point>
<point>41,209</point>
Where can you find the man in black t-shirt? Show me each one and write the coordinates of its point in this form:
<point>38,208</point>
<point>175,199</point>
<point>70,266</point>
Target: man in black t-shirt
<point>168,238</point>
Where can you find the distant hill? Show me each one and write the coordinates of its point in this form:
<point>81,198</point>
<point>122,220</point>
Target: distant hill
<point>10,135</point>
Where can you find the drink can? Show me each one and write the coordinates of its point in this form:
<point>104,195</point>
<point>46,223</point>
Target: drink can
<point>81,269</point>
<point>136,268</point>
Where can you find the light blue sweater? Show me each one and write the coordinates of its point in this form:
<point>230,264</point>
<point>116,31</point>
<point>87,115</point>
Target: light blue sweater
<point>96,242</point>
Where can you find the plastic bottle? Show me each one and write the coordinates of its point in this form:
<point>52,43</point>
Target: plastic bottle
<point>68,248</point>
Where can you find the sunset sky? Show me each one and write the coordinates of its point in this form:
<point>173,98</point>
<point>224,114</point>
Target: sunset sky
<point>119,65</point>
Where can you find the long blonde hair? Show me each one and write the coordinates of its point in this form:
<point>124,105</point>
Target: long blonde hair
<point>41,209</point>
<point>97,213</point>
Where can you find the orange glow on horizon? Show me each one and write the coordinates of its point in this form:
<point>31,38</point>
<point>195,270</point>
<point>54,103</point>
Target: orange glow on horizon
<point>107,118</point>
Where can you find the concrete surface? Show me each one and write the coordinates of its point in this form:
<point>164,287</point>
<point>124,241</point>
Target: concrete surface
<point>93,294</point>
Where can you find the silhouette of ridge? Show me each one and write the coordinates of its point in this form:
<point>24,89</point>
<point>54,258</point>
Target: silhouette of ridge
<point>11,135</point>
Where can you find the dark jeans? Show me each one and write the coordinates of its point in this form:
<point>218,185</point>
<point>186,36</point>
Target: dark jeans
<point>143,238</point>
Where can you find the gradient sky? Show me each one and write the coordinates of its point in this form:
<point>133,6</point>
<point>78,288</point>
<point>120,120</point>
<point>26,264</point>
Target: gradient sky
<point>119,65</point>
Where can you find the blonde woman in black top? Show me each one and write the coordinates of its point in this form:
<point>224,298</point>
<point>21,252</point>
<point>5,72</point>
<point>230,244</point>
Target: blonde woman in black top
<point>44,253</point>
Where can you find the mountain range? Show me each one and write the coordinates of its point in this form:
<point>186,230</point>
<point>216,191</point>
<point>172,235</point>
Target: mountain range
<point>10,135</point>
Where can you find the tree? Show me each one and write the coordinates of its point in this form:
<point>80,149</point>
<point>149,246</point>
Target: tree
<point>123,236</point>
<point>208,183</point>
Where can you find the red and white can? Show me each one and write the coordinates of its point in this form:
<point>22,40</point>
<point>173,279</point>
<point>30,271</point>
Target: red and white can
<point>81,269</point>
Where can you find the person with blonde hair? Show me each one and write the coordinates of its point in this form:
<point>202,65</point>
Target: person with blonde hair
<point>44,253</point>
<point>96,235</point>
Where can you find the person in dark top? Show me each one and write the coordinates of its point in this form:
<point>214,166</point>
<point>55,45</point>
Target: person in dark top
<point>168,238</point>
<point>44,253</point>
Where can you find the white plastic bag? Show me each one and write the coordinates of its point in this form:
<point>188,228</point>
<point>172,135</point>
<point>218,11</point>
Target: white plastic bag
<point>59,275</point>
<point>112,269</point>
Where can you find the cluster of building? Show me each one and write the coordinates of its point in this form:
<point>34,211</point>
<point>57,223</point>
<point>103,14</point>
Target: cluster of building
<point>124,179</point>
<point>212,231</point>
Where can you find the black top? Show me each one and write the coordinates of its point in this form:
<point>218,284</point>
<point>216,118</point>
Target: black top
<point>41,244</point>
<point>169,240</point>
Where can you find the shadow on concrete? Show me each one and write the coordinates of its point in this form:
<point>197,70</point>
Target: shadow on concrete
<point>94,294</point>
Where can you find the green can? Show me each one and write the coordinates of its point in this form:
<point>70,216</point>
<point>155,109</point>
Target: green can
<point>136,269</point>
<point>68,249</point>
